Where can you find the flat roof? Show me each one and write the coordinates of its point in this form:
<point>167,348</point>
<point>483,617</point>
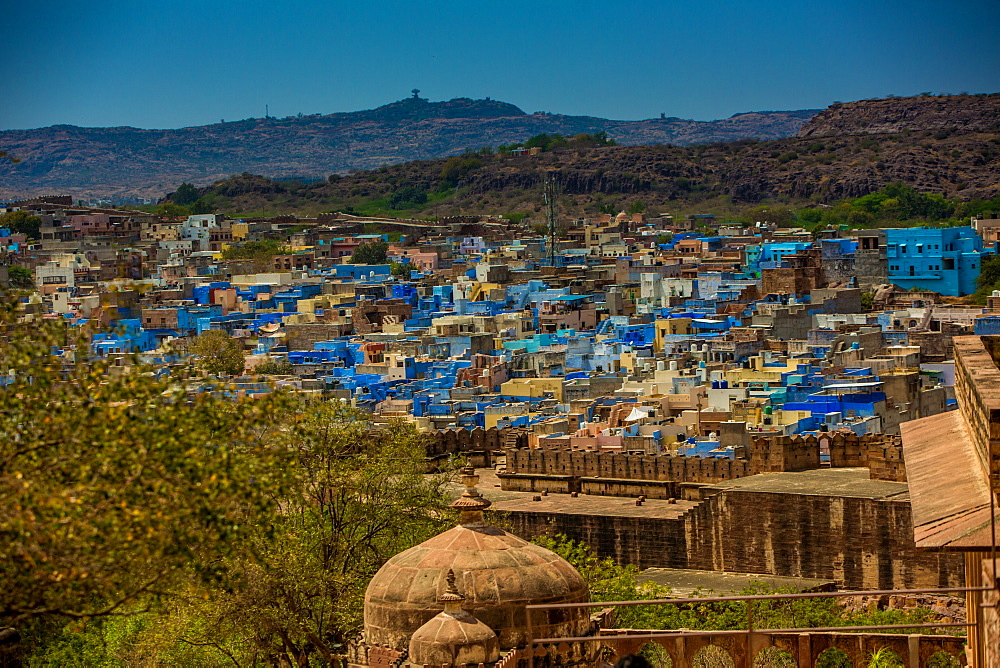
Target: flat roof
<point>584,504</point>
<point>845,482</point>
<point>685,582</point>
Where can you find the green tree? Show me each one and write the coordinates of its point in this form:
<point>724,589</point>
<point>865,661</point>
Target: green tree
<point>185,194</point>
<point>20,278</point>
<point>357,495</point>
<point>406,197</point>
<point>115,488</point>
<point>860,219</point>
<point>400,268</point>
<point>777,215</point>
<point>218,353</point>
<point>21,222</point>
<point>456,168</point>
<point>202,205</point>
<point>260,252</point>
<point>275,367</point>
<point>370,252</point>
<point>808,217</point>
<point>172,210</point>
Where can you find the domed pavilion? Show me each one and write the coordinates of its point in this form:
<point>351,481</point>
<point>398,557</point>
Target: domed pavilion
<point>497,574</point>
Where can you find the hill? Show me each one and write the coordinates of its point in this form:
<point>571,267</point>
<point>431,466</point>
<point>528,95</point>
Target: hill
<point>834,156</point>
<point>125,161</point>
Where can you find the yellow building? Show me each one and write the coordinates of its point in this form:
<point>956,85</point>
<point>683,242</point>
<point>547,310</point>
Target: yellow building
<point>535,388</point>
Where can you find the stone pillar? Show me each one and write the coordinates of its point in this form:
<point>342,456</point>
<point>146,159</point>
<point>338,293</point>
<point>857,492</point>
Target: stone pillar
<point>989,624</point>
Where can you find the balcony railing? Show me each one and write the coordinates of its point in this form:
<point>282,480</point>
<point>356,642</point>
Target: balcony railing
<point>744,646</point>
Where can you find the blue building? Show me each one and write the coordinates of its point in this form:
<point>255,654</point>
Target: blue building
<point>944,260</point>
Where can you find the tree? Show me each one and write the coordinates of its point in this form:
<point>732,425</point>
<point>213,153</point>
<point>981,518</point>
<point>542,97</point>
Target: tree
<point>400,268</point>
<point>20,278</point>
<point>356,494</point>
<point>218,353</point>
<point>21,222</point>
<point>202,205</point>
<point>172,210</point>
<point>115,488</point>
<point>260,252</point>
<point>359,497</point>
<point>185,194</point>
<point>278,367</point>
<point>405,197</point>
<point>370,252</point>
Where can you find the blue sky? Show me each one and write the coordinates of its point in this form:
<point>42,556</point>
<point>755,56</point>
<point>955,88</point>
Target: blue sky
<point>177,63</point>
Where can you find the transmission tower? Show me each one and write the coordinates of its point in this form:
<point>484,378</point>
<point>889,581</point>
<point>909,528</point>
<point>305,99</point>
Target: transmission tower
<point>549,192</point>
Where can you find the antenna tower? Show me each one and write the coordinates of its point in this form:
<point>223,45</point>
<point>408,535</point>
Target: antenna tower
<point>549,193</point>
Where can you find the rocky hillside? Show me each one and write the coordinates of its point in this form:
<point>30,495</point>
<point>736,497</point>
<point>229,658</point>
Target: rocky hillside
<point>968,113</point>
<point>124,161</point>
<point>957,156</point>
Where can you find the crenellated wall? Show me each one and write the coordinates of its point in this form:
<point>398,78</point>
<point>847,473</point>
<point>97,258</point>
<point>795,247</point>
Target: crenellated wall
<point>478,444</point>
<point>562,469</point>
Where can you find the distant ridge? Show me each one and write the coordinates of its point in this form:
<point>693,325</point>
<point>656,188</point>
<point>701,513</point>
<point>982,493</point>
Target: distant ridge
<point>121,161</point>
<point>948,146</point>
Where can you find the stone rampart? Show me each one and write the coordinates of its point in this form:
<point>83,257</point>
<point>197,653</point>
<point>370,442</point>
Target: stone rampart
<point>882,454</point>
<point>477,444</point>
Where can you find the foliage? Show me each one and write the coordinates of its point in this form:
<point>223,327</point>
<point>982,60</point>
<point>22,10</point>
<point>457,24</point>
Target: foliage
<point>172,210</point>
<point>20,277</point>
<point>457,168</point>
<point>21,222</point>
<point>400,268</point>
<point>5,155</point>
<point>988,279</point>
<point>261,253</point>
<point>406,197</point>
<point>202,205</point>
<point>115,485</point>
<point>218,353</point>
<point>370,252</point>
<point>254,249</point>
<point>185,194</point>
<point>884,658</point>
<point>355,495</point>
<point>360,496</point>
<point>276,367</point>
<point>609,581</point>
<point>776,215</point>
<point>636,207</point>
<point>550,142</point>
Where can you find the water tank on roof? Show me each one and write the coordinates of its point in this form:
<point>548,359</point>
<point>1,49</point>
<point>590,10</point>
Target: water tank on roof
<point>673,365</point>
<point>661,365</point>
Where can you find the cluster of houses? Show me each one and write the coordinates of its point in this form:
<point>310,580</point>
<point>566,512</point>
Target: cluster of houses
<point>628,333</point>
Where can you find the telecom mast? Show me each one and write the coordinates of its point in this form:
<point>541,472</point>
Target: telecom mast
<point>549,192</point>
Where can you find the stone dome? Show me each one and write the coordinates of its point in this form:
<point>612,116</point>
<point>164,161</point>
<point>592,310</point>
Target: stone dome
<point>453,637</point>
<point>497,572</point>
<point>622,217</point>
